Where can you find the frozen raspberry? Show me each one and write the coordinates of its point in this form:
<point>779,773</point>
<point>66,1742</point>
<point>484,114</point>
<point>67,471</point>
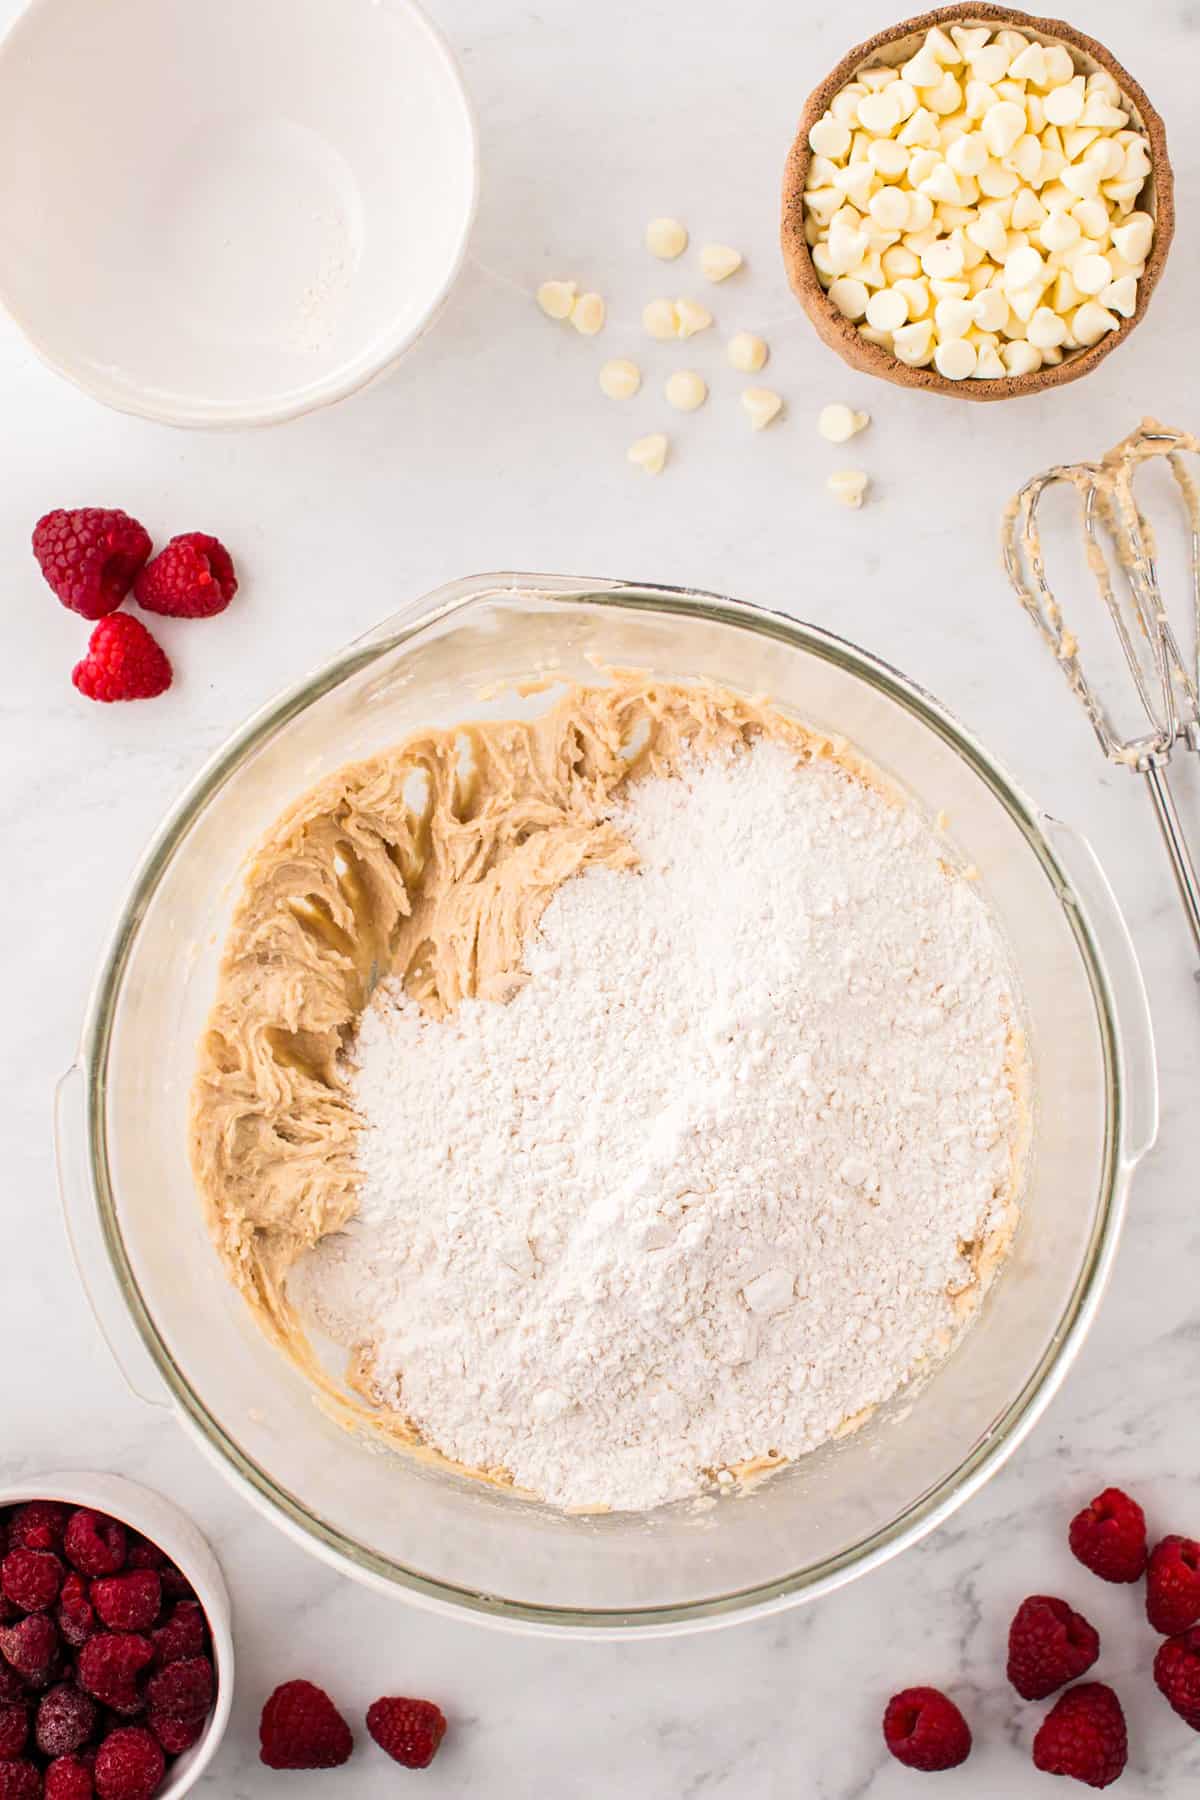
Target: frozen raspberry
<point>1048,1645</point>
<point>31,1579</point>
<point>1177,1674</point>
<point>130,1764</point>
<point>1083,1735</point>
<point>1173,1585</point>
<point>192,578</point>
<point>184,1690</point>
<point>66,1719</point>
<point>76,1615</point>
<point>176,1735</point>
<point>13,1691</point>
<point>409,1730</point>
<point>31,1647</point>
<point>14,1729</point>
<point>90,556</point>
<point>184,1634</point>
<point>109,1666</point>
<point>38,1525</point>
<point>1109,1537</point>
<point>20,1781</point>
<point>301,1728</point>
<point>129,1601</point>
<point>142,1554</point>
<point>925,1730</point>
<point>68,1778</point>
<point>93,1543</point>
<point>123,662</point>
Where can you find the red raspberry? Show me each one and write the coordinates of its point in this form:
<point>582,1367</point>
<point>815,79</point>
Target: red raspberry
<point>1173,1585</point>
<point>31,1647</point>
<point>123,662</point>
<point>12,1688</point>
<point>68,1778</point>
<point>1048,1645</point>
<point>109,1666</point>
<point>301,1728</point>
<point>38,1525</point>
<point>1083,1735</point>
<point>130,1764</point>
<point>20,1781</point>
<point>176,1735</point>
<point>130,1601</point>
<point>76,1615</point>
<point>184,1634</point>
<point>66,1719</point>
<point>31,1579</point>
<point>90,556</point>
<point>175,1584</point>
<point>94,1543</point>
<point>925,1730</point>
<point>1177,1674</point>
<point>14,1729</point>
<point>409,1730</point>
<point>182,1691</point>
<point>1109,1537</point>
<point>192,578</point>
<point>143,1554</point>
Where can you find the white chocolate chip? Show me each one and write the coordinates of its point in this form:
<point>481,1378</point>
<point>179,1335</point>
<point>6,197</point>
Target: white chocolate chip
<point>660,319</point>
<point>587,314</point>
<point>849,296</point>
<point>649,453</point>
<point>887,310</point>
<point>848,486</point>
<point>829,137</point>
<point>1021,358</point>
<point>762,404</point>
<point>556,298</point>
<point>666,239</point>
<point>955,359</point>
<point>1090,272</point>
<point>691,317</point>
<point>1091,321</point>
<point>686,390</point>
<point>719,261</point>
<point>746,352</point>
<point>913,344</point>
<point>620,379</point>
<point>837,423</point>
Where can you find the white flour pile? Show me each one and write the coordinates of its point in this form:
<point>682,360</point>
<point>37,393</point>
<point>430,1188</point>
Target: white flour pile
<point>705,1188</point>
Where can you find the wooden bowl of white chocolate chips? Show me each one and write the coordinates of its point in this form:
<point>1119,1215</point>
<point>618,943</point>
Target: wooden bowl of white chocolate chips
<point>978,202</point>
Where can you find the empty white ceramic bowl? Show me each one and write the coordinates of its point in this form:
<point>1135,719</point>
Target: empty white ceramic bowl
<point>229,212</point>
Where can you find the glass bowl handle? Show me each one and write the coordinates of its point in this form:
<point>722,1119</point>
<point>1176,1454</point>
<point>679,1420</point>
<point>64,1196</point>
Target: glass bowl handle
<point>89,1252</point>
<point>1091,890</point>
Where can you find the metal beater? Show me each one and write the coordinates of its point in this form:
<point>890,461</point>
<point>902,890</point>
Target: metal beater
<point>1167,684</point>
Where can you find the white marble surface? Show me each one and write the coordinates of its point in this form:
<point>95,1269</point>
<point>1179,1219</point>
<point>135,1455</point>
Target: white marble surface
<point>492,448</point>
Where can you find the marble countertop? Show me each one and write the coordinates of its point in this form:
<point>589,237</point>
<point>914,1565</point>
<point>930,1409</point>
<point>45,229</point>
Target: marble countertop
<point>492,448</point>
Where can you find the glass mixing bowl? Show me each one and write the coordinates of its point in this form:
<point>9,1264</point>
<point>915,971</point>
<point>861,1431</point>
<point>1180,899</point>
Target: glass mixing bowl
<point>185,1336</point>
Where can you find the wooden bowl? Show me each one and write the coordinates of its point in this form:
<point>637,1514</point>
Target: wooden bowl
<point>894,47</point>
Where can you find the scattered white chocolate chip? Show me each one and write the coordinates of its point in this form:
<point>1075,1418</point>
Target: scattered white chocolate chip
<point>762,404</point>
<point>666,238</point>
<point>746,352</point>
<point>838,424</point>
<point>556,298</point>
<point>691,317</point>
<point>719,261</point>
<point>587,314</point>
<point>848,486</point>
<point>620,379</point>
<point>660,319</point>
<point>686,390</point>
<point>649,453</point>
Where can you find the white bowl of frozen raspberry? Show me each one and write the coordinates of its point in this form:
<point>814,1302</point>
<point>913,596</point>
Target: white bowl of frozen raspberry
<point>116,1659</point>
<point>278,202</point>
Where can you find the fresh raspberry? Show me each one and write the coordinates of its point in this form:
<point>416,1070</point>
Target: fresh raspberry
<point>1048,1645</point>
<point>109,1666</point>
<point>129,1601</point>
<point>38,1525</point>
<point>31,1579</point>
<point>192,578</point>
<point>68,1778</point>
<point>176,1735</point>
<point>1177,1674</point>
<point>93,1543</point>
<point>925,1730</point>
<point>130,1764</point>
<point>143,1554</point>
<point>1173,1585</point>
<point>175,1584</point>
<point>123,662</point>
<point>31,1647</point>
<point>20,1781</point>
<point>13,1691</point>
<point>76,1615</point>
<point>90,556</point>
<point>184,1634</point>
<point>1109,1537</point>
<point>1083,1735</point>
<point>14,1729</point>
<point>66,1719</point>
<point>182,1691</point>
<point>301,1728</point>
<point>409,1730</point>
